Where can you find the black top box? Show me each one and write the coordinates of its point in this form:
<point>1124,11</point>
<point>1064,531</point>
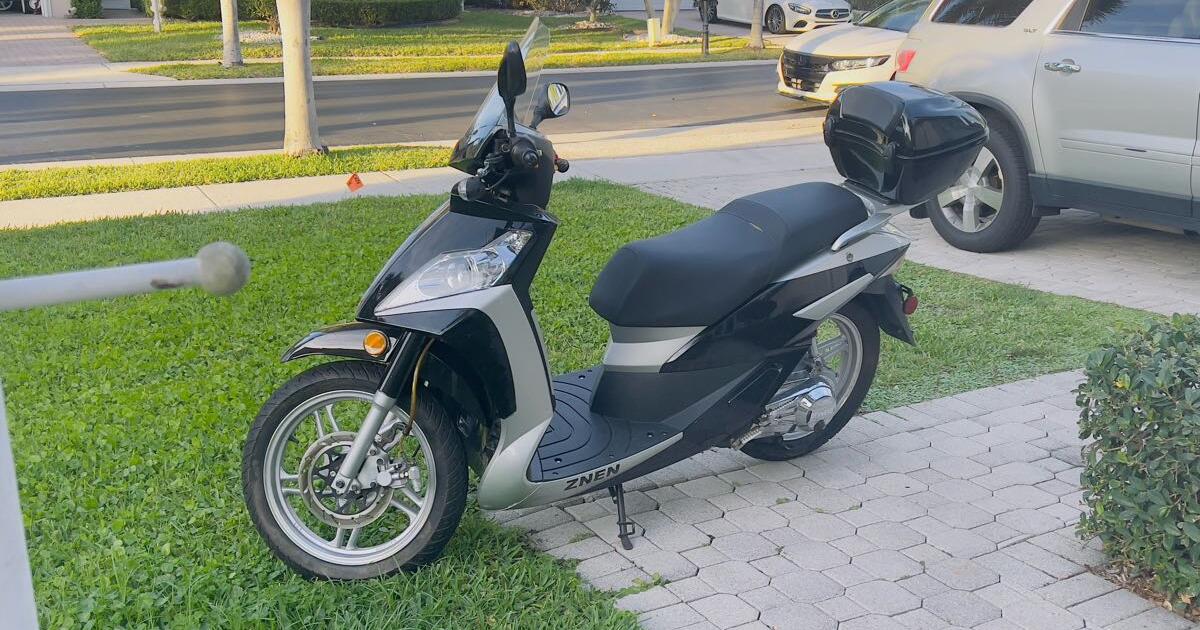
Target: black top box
<point>906,143</point>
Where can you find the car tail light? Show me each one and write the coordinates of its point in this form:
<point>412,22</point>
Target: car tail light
<point>904,59</point>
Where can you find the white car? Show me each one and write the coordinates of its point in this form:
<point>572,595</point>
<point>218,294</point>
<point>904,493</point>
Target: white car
<point>1091,105</point>
<point>818,65</point>
<point>783,16</point>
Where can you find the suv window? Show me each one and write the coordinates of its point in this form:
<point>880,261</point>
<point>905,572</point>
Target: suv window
<point>980,12</point>
<point>1148,18</point>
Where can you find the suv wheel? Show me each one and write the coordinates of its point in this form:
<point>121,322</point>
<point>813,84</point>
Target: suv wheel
<point>990,208</point>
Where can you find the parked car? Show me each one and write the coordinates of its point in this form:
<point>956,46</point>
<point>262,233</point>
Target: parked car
<point>1092,104</point>
<point>818,65</point>
<point>782,16</point>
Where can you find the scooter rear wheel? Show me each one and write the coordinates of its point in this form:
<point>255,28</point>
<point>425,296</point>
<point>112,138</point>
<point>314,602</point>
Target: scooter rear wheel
<point>861,324</point>
<point>293,450</point>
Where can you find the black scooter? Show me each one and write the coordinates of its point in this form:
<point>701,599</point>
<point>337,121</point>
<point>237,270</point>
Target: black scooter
<point>756,328</point>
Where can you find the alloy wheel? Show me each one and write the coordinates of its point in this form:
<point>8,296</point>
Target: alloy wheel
<point>775,20</point>
<point>364,527</point>
<point>837,357</point>
<point>974,202</point>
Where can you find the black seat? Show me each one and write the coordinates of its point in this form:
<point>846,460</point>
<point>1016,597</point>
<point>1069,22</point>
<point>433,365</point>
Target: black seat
<point>697,275</point>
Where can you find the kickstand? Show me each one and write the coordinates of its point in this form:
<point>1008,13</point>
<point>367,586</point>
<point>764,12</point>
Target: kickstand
<point>625,526</point>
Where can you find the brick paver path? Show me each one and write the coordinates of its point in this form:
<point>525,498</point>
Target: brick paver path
<point>953,513</point>
<point>32,40</point>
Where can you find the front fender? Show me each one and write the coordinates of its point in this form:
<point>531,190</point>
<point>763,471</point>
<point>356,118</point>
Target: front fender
<point>342,340</point>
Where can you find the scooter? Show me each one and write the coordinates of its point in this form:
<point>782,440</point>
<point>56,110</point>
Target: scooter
<point>757,328</point>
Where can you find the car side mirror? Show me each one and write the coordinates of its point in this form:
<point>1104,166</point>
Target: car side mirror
<point>510,81</point>
<point>554,102</point>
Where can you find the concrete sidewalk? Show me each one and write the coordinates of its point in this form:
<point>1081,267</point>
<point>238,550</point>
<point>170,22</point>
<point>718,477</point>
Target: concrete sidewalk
<point>1074,254</point>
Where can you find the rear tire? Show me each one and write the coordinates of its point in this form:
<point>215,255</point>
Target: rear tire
<point>1006,226</point>
<point>777,449</point>
<point>445,486</point>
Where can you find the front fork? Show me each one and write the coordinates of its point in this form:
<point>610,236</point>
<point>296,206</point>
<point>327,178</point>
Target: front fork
<point>389,391</point>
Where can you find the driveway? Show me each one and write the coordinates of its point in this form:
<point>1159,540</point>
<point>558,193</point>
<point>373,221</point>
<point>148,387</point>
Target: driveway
<point>953,513</point>
<point>35,50</point>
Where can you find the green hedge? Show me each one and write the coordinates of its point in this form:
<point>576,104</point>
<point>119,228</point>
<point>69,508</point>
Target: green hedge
<point>326,12</point>
<point>382,12</point>
<point>87,8</point>
<point>1141,406</point>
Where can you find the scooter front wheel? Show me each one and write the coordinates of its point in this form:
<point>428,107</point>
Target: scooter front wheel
<point>294,449</point>
<point>846,353</point>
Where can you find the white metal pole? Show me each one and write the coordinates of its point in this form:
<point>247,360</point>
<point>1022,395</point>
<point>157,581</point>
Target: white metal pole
<point>220,268</point>
<point>16,582</point>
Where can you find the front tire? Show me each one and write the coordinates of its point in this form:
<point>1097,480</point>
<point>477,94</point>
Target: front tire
<point>775,21</point>
<point>861,329</point>
<point>297,441</point>
<point>990,209</point>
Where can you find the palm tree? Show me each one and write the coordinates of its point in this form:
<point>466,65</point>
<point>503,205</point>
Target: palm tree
<point>300,134</point>
<point>230,37</point>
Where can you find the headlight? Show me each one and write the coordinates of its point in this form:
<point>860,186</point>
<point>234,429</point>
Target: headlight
<point>459,272</point>
<point>800,8</point>
<point>858,64</point>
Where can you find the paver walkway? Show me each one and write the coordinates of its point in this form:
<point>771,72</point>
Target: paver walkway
<point>953,513</point>
<point>43,53</point>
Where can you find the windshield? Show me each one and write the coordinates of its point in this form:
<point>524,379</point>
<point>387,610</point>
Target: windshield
<point>534,48</point>
<point>898,15</point>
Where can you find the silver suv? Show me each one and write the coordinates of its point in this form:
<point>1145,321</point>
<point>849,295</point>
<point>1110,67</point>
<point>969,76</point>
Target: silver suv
<point>1092,104</point>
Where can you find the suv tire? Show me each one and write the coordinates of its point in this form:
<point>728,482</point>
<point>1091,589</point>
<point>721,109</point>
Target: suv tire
<point>1002,169</point>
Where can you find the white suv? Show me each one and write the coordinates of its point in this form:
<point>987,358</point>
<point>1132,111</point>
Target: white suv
<point>1092,104</point>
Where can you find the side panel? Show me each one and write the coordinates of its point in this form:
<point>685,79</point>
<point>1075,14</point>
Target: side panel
<point>503,482</point>
<point>1139,140</point>
<point>766,326</point>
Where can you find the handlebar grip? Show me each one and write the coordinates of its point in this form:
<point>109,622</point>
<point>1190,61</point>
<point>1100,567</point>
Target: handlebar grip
<point>219,268</point>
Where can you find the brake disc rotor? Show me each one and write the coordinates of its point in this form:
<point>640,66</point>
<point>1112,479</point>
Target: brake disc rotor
<point>318,467</point>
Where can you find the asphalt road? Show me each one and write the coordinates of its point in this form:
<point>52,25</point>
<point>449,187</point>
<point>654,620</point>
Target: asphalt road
<point>121,122</point>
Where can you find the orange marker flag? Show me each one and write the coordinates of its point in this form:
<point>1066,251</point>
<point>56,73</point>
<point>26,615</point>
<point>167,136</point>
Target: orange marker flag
<point>354,183</point>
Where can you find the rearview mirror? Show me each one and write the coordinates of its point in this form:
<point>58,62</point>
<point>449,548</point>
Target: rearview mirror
<point>555,101</point>
<point>510,81</point>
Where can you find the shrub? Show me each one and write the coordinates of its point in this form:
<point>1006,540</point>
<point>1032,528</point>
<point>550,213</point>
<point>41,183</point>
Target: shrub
<point>1141,406</point>
<point>327,12</point>
<point>382,12</point>
<point>87,8</point>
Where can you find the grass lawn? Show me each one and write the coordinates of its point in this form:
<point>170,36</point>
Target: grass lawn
<point>325,67</point>
<point>475,33</point>
<point>128,416</point>
<point>86,180</point>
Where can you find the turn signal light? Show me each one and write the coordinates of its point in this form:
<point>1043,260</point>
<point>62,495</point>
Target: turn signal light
<point>375,343</point>
<point>904,59</point>
<point>910,305</point>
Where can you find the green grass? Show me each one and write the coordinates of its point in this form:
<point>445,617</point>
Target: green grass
<point>324,67</point>
<point>474,33</point>
<point>128,416</point>
<point>86,180</point>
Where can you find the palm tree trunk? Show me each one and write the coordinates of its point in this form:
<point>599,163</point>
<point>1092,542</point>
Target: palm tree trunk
<point>156,10</point>
<point>756,38</point>
<point>229,34</point>
<point>300,134</point>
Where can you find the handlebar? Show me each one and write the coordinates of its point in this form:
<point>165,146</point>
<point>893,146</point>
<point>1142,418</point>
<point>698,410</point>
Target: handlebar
<point>219,268</point>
